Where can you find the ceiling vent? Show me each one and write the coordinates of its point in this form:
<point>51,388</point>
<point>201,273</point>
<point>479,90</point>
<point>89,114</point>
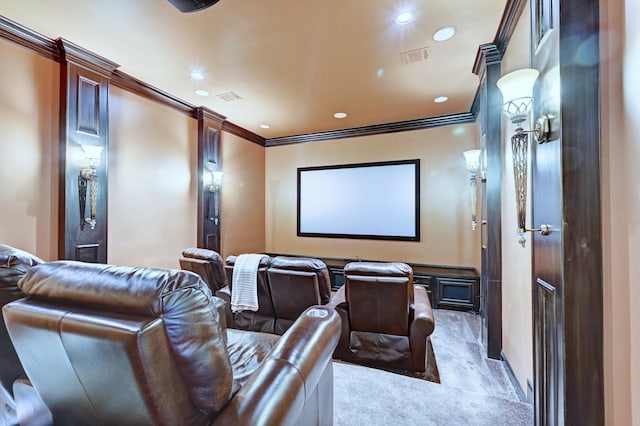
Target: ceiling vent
<point>229,96</point>
<point>415,55</point>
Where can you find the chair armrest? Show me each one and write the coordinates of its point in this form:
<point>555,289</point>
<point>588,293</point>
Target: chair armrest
<point>276,393</point>
<point>225,294</point>
<point>339,303</point>
<point>421,327</point>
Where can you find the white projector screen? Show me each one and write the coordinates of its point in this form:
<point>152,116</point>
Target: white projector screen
<point>368,200</point>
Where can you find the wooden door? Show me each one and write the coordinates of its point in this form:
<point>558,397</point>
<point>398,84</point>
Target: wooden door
<point>567,263</point>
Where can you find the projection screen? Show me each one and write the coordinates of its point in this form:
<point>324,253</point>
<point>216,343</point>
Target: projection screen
<point>367,200</point>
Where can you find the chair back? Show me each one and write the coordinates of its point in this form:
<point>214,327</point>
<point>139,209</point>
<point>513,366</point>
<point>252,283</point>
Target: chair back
<point>264,318</point>
<point>131,345</point>
<point>206,263</point>
<point>14,263</point>
<point>379,296</point>
<point>296,283</point>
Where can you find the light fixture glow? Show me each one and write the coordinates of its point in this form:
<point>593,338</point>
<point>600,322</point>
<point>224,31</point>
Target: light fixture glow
<point>444,33</point>
<point>441,99</point>
<point>404,18</point>
<point>197,75</point>
<point>340,115</point>
<point>201,92</point>
<point>265,126</point>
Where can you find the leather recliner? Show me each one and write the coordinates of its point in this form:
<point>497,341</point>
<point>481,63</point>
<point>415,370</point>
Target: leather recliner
<point>23,403</point>
<point>264,319</point>
<point>296,283</point>
<point>386,320</point>
<point>121,345</point>
<point>206,263</point>
<point>210,266</point>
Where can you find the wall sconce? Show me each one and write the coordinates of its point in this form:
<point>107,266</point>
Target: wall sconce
<point>214,187</point>
<point>472,158</point>
<point>517,93</point>
<point>89,176</point>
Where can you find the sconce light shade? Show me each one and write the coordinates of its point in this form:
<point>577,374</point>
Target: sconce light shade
<point>472,157</point>
<point>517,93</point>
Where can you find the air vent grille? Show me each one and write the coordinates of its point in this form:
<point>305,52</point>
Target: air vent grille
<point>415,55</point>
<point>229,96</point>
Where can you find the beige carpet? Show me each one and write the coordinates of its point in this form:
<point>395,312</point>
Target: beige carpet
<point>473,390</point>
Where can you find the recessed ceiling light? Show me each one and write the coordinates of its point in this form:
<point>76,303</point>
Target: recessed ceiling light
<point>444,33</point>
<point>201,92</point>
<point>196,75</point>
<point>404,18</point>
<point>440,99</point>
<point>340,115</point>
<point>265,126</point>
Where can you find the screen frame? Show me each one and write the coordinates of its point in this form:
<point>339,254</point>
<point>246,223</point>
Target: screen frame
<point>416,228</point>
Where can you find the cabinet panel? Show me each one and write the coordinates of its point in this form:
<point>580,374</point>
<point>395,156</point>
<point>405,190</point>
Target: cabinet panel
<point>457,293</point>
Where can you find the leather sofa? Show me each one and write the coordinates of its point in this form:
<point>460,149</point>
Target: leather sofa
<point>122,345</point>
<point>286,287</point>
<point>386,320</point>
<point>22,403</point>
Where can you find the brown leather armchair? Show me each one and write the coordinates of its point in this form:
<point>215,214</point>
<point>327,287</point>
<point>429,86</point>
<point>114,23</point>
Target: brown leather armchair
<point>264,319</point>
<point>296,283</point>
<point>22,402</point>
<point>386,320</point>
<point>206,263</point>
<point>121,345</point>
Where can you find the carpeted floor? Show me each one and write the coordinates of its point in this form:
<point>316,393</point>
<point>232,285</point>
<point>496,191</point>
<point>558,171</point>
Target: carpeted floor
<point>473,390</point>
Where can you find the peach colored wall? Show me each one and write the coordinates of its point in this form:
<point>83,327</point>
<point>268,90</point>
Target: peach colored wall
<point>243,189</point>
<point>152,182</point>
<point>446,235</point>
<point>620,118</point>
<point>517,342</point>
<point>29,97</point>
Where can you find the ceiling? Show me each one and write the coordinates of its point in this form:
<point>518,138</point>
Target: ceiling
<point>293,63</point>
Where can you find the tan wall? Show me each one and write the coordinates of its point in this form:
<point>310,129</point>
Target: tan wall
<point>28,151</point>
<point>243,196</point>
<point>446,235</point>
<point>620,118</point>
<point>152,182</point>
<point>517,341</point>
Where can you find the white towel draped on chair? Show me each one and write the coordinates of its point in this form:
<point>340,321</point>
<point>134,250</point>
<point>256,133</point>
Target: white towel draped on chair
<point>244,292</point>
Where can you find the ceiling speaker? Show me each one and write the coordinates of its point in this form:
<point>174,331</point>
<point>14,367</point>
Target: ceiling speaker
<point>192,5</point>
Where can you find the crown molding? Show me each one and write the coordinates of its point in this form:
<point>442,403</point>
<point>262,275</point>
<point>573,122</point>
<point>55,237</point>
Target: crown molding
<point>234,129</point>
<point>376,129</point>
<point>71,52</point>
<point>25,37</point>
<point>512,12</point>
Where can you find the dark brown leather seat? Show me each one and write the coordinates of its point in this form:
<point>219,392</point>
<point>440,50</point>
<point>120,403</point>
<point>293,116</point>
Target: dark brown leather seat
<point>206,263</point>
<point>386,319</point>
<point>14,263</point>
<point>264,319</point>
<point>296,283</point>
<point>121,345</point>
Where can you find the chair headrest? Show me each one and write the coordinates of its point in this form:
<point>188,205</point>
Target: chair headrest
<point>264,262</point>
<point>214,259</point>
<point>391,269</point>
<point>11,257</point>
<point>305,264</point>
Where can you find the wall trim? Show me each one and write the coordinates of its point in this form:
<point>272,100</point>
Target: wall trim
<point>512,12</point>
<point>522,396</point>
<point>376,129</point>
<point>232,128</point>
<point>27,38</point>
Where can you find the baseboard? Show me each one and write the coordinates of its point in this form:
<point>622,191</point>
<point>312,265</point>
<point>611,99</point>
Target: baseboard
<point>512,377</point>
